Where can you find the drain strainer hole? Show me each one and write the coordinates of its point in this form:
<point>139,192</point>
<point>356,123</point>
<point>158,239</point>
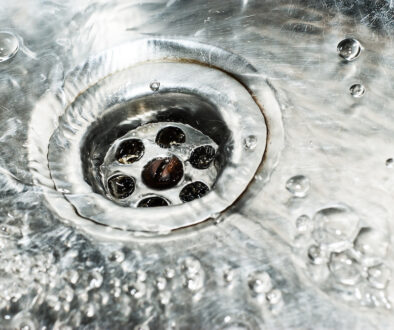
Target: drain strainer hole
<point>163,173</point>
<point>130,151</point>
<point>121,186</point>
<point>154,201</point>
<point>202,157</point>
<point>193,191</point>
<point>170,136</point>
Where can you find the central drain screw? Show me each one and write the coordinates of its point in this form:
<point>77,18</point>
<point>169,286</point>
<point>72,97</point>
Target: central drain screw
<point>193,191</point>
<point>202,157</point>
<point>154,201</point>
<point>170,136</point>
<point>121,186</point>
<point>130,151</point>
<point>163,173</point>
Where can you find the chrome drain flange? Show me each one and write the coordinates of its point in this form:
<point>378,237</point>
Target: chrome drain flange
<point>128,158</point>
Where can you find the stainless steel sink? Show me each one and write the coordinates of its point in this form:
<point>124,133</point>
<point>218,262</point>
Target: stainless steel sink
<point>196,164</point>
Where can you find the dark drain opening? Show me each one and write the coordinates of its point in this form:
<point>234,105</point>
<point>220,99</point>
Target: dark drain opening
<point>198,136</point>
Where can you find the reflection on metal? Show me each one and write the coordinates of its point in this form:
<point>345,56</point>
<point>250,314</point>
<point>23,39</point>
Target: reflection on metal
<point>296,229</point>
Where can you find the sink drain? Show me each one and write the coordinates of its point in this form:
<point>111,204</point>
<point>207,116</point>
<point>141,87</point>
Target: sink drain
<point>158,164</point>
<point>124,155</point>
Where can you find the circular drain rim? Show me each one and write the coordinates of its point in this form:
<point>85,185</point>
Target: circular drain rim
<point>92,71</point>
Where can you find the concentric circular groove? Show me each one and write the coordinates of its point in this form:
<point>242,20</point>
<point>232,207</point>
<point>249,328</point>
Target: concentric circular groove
<point>119,94</point>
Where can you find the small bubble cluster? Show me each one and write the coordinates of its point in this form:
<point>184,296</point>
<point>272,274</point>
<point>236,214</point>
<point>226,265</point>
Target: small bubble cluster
<point>346,255</point>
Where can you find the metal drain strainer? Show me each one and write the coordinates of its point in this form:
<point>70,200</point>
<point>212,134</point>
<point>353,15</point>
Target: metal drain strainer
<point>159,164</point>
<point>182,137</point>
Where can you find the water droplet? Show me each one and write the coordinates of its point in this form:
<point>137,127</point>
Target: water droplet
<point>90,310</point>
<point>357,90</point>
<point>298,185</point>
<point>373,244</point>
<point>344,268</point>
<point>390,162</point>
<point>72,276</point>
<point>164,297</point>
<point>349,49</point>
<point>260,282</point>
<point>161,283</point>
<point>335,227</point>
<point>303,223</point>
<point>155,86</point>
<point>191,266</point>
<point>274,296</point>
<point>9,46</point>
<point>250,142</point>
<point>141,275</point>
<point>96,280</point>
<point>194,282</point>
<point>379,276</point>
<point>153,201</point>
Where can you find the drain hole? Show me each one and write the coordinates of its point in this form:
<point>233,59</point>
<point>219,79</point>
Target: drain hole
<point>193,191</point>
<point>121,186</point>
<point>154,201</point>
<point>163,173</point>
<point>170,136</point>
<point>130,151</point>
<point>202,157</point>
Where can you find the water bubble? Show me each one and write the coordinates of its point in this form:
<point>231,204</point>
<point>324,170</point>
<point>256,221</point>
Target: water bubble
<point>250,142</point>
<point>303,223</point>
<point>260,282</point>
<point>349,49</point>
<point>316,255</point>
<point>298,185</point>
<point>155,86</point>
<point>228,275</point>
<point>357,90</point>
<point>116,256</point>
<point>335,227</point>
<point>344,268</point>
<point>372,244</point>
<point>9,46</point>
<point>169,272</point>
<point>137,290</point>
<point>379,276</point>
<point>274,296</point>
<point>390,162</point>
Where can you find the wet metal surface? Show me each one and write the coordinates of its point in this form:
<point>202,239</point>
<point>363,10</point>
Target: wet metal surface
<point>297,230</point>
